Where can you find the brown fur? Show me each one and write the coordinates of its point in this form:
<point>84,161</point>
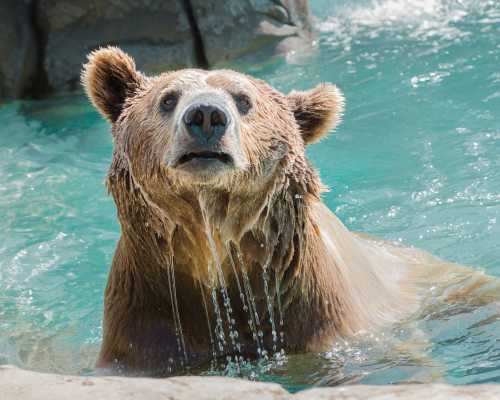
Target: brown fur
<point>313,110</point>
<point>109,69</point>
<point>263,217</point>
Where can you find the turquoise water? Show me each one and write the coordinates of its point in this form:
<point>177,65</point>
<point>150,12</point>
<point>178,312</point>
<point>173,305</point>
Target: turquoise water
<point>417,160</point>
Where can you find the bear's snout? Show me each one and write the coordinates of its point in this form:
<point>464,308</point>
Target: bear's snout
<point>206,136</point>
<point>205,122</point>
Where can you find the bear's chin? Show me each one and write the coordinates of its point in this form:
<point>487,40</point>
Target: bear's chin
<point>204,171</point>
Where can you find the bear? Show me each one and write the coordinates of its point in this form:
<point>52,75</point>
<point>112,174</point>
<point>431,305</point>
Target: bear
<point>226,248</point>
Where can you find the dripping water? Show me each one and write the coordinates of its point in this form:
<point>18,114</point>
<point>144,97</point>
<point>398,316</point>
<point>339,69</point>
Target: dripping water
<point>233,332</point>
<point>248,308</point>
<point>257,334</point>
<point>181,346</point>
<point>269,207</point>
<point>280,312</point>
<point>219,328</point>
<point>270,305</point>
<point>212,342</point>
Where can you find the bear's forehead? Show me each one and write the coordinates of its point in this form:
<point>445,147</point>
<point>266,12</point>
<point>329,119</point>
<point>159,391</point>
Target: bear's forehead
<point>219,79</point>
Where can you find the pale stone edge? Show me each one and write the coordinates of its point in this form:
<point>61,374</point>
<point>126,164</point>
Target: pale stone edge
<point>19,384</point>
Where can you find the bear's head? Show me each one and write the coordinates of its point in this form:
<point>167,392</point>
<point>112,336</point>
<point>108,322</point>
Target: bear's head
<point>205,129</point>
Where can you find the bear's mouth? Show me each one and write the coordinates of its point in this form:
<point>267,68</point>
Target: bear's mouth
<point>206,155</point>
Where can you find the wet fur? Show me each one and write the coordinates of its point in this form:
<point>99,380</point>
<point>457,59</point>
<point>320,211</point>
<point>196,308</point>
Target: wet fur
<point>323,280</point>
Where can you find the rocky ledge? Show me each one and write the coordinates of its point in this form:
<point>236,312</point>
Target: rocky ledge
<point>43,43</point>
<point>17,384</point>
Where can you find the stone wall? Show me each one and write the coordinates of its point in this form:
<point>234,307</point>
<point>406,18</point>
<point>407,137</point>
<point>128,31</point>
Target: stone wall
<point>43,43</point>
<point>18,51</point>
<point>17,384</point>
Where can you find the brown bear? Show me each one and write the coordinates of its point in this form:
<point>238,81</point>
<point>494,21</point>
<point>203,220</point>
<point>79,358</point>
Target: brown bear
<point>226,248</point>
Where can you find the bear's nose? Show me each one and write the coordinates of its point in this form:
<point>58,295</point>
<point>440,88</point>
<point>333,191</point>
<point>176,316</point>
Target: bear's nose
<point>205,121</point>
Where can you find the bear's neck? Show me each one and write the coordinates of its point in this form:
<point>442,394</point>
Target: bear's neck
<point>251,266</point>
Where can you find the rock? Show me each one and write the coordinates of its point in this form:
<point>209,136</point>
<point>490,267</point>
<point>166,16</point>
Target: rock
<point>17,384</point>
<point>156,32</point>
<point>232,29</point>
<point>43,43</point>
<point>18,51</point>
<point>402,392</point>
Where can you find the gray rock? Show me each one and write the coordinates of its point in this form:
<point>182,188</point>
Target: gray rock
<point>18,52</point>
<point>232,29</point>
<point>43,43</point>
<point>17,384</point>
<point>156,32</point>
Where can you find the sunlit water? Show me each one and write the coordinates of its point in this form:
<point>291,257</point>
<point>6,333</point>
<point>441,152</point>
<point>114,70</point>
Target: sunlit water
<point>417,160</point>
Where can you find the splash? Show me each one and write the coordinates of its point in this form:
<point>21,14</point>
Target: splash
<point>423,19</point>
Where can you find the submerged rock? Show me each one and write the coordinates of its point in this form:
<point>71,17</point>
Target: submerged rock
<point>17,384</point>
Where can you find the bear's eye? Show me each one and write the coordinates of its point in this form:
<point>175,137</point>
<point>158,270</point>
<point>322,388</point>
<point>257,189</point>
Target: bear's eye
<point>169,101</point>
<point>243,103</point>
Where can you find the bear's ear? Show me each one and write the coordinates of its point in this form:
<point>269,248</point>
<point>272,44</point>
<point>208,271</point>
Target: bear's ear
<point>109,77</point>
<point>317,111</point>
